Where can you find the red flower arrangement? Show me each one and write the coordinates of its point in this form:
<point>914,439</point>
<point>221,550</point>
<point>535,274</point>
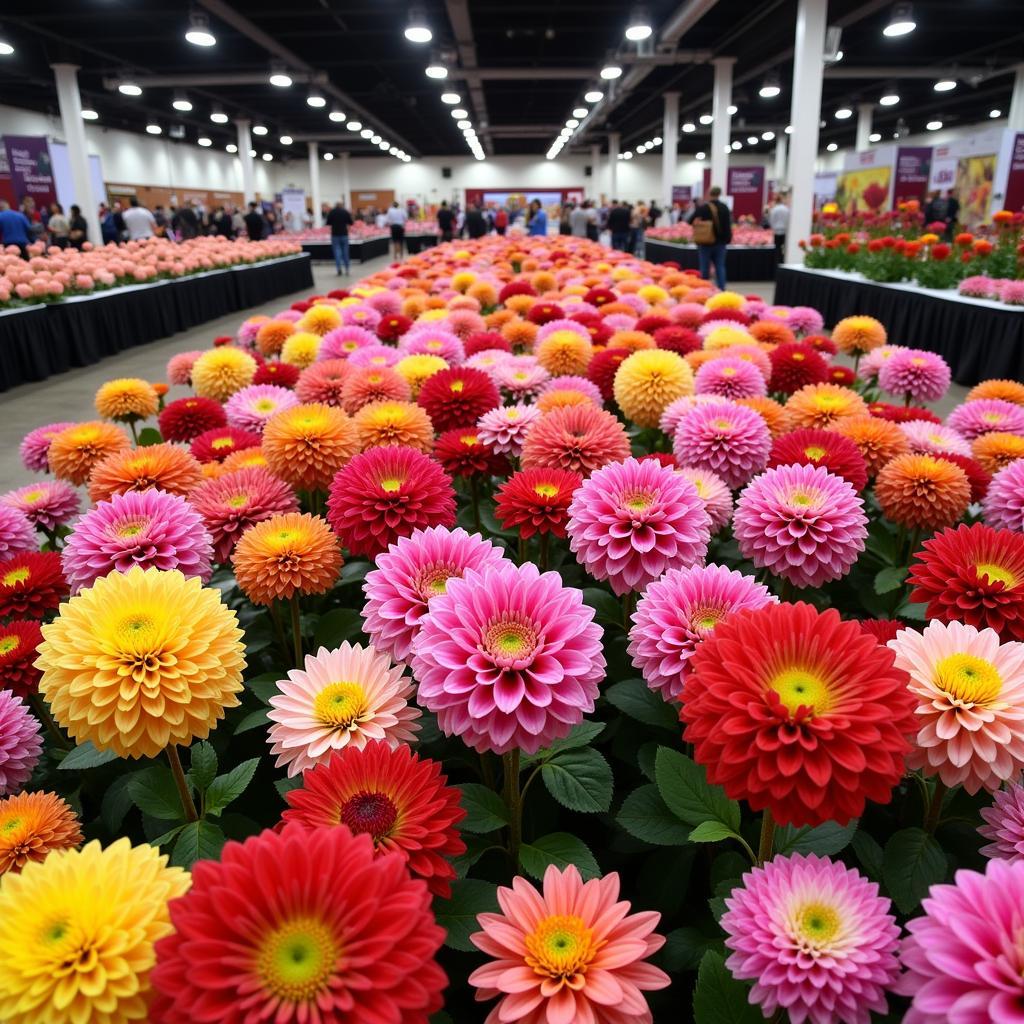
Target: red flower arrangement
<point>602,368</point>
<point>393,326</point>
<point>283,374</point>
<point>537,501</point>
<point>18,643</point>
<point>794,365</point>
<point>217,444</point>
<point>677,339</point>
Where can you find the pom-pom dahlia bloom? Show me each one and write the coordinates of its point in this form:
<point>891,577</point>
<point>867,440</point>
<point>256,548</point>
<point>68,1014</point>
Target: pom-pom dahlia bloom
<point>307,444</point>
<point>126,399</point>
<point>163,466</point>
<point>508,658</point>
<point>323,382</point>
<point>570,953</point>
<point>972,419</point>
<point>631,521</point>
<point>648,381</point>
<point>350,696</point>
<point>179,367</point>
<point>457,398</point>
<point>878,440</point>
<point>20,746</point>
<point>823,406</point>
<point>31,584</point>
<point>921,375</point>
<point>996,450</point>
<point>394,423</point>
<point>926,438</point>
<point>724,438</point>
<point>1004,500</point>
<point>581,438</point>
<point>856,335</point>
<point>186,418</point>
<point>815,937</point>
<point>17,537</point>
<point>824,448</point>
<point>365,385</point>
<point>219,372</point>
<point>504,429</point>
<point>32,826</point>
<point>250,408</point>
<point>678,611</point>
<point>74,452</point>
<point>1004,824</point>
<point>729,377</point>
<point>794,365</point>
<point>18,643</point>
<point>922,491</point>
<point>36,444</point>
<point>537,501</point>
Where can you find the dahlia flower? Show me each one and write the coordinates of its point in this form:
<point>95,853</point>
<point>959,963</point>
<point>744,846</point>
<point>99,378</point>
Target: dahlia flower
<point>307,444</point>
<point>508,658</point>
<point>773,414</point>
<point>20,747</point>
<point>926,438</point>
<point>877,440</point>
<point>32,826</point>
<point>457,398</point>
<point>346,697</point>
<point>1004,500</point>
<point>416,369</point>
<point>342,342</point>
<point>678,611</point>
<point>383,424</point>
<point>815,937</point>
<point>1004,824</point>
<point>574,383</point>
<point>36,444</point>
<point>186,418</point>
<point>823,405</point>
<point>825,448</point>
<point>433,341</point>
<point>520,377</point>
<point>869,366</point>
<point>380,356</point>
<point>163,466</point>
<point>729,377</point>
<point>17,537</point>
<point>795,365</point>
<point>216,445</point>
<point>536,501</point>
<point>996,450</point>
<point>648,381</point>
<point>804,320</point>
<point>179,367</point>
<point>126,399</point>
<point>503,429</point>
<point>565,351</point>
<point>277,373</point>
<point>902,413</point>
<point>972,419</point>
<point>272,335</point>
<point>323,382</point>
<point>977,477</point>
<point>913,372</point>
<point>251,408</point>
<point>858,334</point>
<point>18,643</point>
<point>319,319</point>
<point>922,491</point>
<point>711,490</point>
<point>75,451</point>
<point>31,584</point>
<point>369,384</point>
<point>461,453</point>
<point>1005,390</point>
<point>580,438</point>
<point>219,372</point>
<point>631,521</point>
<point>301,349</point>
<point>723,438</point>
<point>796,711</point>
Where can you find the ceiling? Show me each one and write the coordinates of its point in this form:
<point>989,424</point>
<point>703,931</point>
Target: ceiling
<point>538,58</point>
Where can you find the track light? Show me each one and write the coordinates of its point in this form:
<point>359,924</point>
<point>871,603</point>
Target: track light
<point>199,33</point>
<point>639,27</point>
<point>417,30</point>
<point>770,87</point>
<point>901,22</point>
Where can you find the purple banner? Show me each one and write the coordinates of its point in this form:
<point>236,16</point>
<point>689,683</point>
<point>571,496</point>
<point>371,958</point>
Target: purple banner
<point>1015,181</point>
<point>30,168</point>
<point>913,167</point>
<point>746,186</point>
<point>682,194</point>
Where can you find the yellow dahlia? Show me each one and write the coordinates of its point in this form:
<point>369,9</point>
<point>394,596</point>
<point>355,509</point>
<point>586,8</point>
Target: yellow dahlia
<point>319,319</point>
<point>307,444</point>
<point>653,294</point>
<point>726,300</point>
<point>519,303</point>
<point>484,292</point>
<point>994,450</point>
<point>462,280</point>
<point>141,660</point>
<point>648,381</point>
<point>219,372</point>
<point>32,826</point>
<point>559,398</point>
<point>272,335</point>
<point>383,423</point>
<point>727,336</point>
<point>858,334</point>
<point>821,405</point>
<point>78,933</point>
<point>301,349</point>
<point>127,398</point>
<point>418,368</point>
<point>74,452</point>
<point>565,353</point>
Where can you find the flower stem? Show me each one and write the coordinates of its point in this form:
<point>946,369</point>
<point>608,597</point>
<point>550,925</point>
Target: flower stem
<point>179,780</point>
<point>487,770</point>
<point>931,819</point>
<point>474,491</point>
<point>787,592</point>
<point>135,434</point>
<point>296,630</point>
<point>46,718</point>
<point>514,803</point>
<point>545,540</point>
<point>627,609</point>
<point>764,849</point>
<point>522,550</point>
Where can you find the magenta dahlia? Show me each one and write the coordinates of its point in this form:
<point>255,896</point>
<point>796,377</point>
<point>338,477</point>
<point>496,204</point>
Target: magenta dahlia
<point>20,743</point>
<point>927,438</point>
<point>1004,824</point>
<point>730,440</point>
<point>250,408</point>
<point>17,535</point>
<point>47,505</point>
<point>36,444</point>
<point>924,376</point>
<point>730,377</point>
<point>983,415</point>
<point>504,429</point>
<point>1004,501</point>
<point>713,492</point>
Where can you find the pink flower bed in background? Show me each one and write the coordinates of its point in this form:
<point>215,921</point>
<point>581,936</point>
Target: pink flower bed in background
<point>682,233</point>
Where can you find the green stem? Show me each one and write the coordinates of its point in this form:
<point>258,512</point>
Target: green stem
<point>135,436</point>
<point>522,550</point>
<point>787,592</point>
<point>545,541</point>
<point>179,780</point>
<point>514,804</point>
<point>931,819</point>
<point>906,400</point>
<point>764,849</point>
<point>474,491</point>
<point>46,718</point>
<point>314,502</point>
<point>627,609</point>
<point>296,630</point>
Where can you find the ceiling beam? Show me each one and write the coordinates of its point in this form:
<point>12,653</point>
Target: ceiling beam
<point>186,81</point>
<point>965,74</point>
<point>462,26</point>
<point>577,74</point>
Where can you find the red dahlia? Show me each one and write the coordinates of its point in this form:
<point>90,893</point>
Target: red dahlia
<point>461,453</point>
<point>216,445</point>
<point>651,323</point>
<point>516,288</point>
<point>541,313</point>
<point>186,418</point>
<point>821,344</point>
<point>795,365</point>
<point>811,447</point>
<point>302,925</point>
<point>400,800</point>
<point>977,476</point>
<point>662,458</point>
<point>31,584</point>
<point>283,374</point>
<point>457,397</point>
<point>883,630</point>
<point>724,313</point>
<point>600,296</point>
<point>600,333</point>
<point>798,712</point>
<point>681,340</point>
<point>602,368</point>
<point>393,326</point>
<point>537,501</point>
<point>482,341</point>
<point>842,375</point>
<point>902,413</point>
<point>973,574</point>
<point>18,643</point>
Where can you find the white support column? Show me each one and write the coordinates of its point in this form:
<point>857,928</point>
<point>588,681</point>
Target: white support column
<point>613,166</point>
<point>808,67</point>
<point>669,148</point>
<point>314,180</point>
<point>70,103</point>
<point>595,172</point>
<point>346,184</point>
<point>781,168</point>
<point>864,126</point>
<point>721,122</point>
<point>245,155</point>
<point>1015,121</point>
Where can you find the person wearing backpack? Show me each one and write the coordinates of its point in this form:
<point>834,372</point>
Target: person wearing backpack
<point>712,231</point>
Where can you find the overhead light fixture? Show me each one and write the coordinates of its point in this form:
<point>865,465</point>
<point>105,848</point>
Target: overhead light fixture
<point>572,123</point>
<point>464,124</point>
<point>458,113</point>
<point>181,102</point>
<point>705,119</point>
<point>199,33</point>
<point>733,109</point>
<point>280,77</point>
<point>88,114</point>
<point>204,141</point>
<point>366,133</point>
<point>639,27</point>
<point>995,113</point>
<point>890,99</point>
<point>217,116</point>
<point>375,139</point>
<point>945,85</point>
<point>752,140</point>
<point>642,148</point>
<point>593,96</point>
<point>610,72</point>
<point>231,148</point>
<point>268,157</point>
<point>354,126</point>
<point>832,147</point>
<point>451,98</point>
<point>767,136</point>
<point>843,113</point>
<point>252,152</point>
<point>700,156</point>
<point>336,115</point>
<point>789,129</point>
<point>383,144</point>
<point>689,126</point>
<point>737,144</point>
<point>128,88</point>
<point>770,87</point>
<point>838,57</point>
<point>656,140</point>
<point>154,129</point>
<point>875,137</point>
<point>286,140</point>
<point>436,70</point>
<point>627,155</point>
<point>933,126</point>
<point>5,47</point>
<point>417,30</point>
<point>328,156</point>
<point>580,112</point>
<point>260,129</point>
<point>314,99</point>
<point>901,22</point>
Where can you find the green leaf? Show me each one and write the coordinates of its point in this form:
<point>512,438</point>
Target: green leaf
<point>485,810</point>
<point>684,787</point>
<point>154,792</point>
<point>633,698</point>
<point>560,849</point>
<point>684,948</point>
<point>355,572</point>
<point>253,720</point>
<point>912,864</point>
<point>645,815</point>
<point>913,610</point>
<point>606,607</point>
<point>645,758</point>
<point>581,736</point>
<point>287,785</point>
<point>265,686</point>
<point>580,780</point>
<point>470,896</point>
<point>890,578</point>
<point>476,847</point>
<point>85,755</point>
<point>336,627</point>
<point>870,855</point>
<point>719,998</point>
<point>117,801</point>
<point>203,769</point>
<point>826,840</point>
<point>226,788</point>
<point>711,832</point>
<point>148,436</point>
<point>198,840</point>
<point>166,838</point>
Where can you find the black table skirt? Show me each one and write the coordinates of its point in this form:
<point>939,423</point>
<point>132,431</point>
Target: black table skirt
<point>978,341</point>
<point>417,243</point>
<point>359,252</point>
<point>741,263</point>
<point>39,341</point>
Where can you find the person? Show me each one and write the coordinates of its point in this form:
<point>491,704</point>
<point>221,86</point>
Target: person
<point>339,220</point>
<point>58,226</point>
<point>501,220</point>
<point>476,226</point>
<point>14,228</point>
<point>254,223</point>
<point>36,224</point>
<point>778,221</point>
<point>564,224</point>
<point>718,215</point>
<point>618,225</point>
<point>637,222</point>
<point>653,213</point>
<point>538,223</point>
<point>119,225</point>
<point>78,227</point>
<point>138,221</point>
<point>186,223</point>
<point>593,232</point>
<point>952,213</point>
<point>222,223</point>
<point>162,221</point>
<point>579,218</point>
<point>445,221</point>
<point>395,219</point>
<point>935,210</point>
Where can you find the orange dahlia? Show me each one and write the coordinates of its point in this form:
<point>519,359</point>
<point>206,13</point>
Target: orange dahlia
<point>293,553</point>
<point>878,440</point>
<point>565,352</point>
<point>580,438</point>
<point>385,423</point>
<point>365,385</point>
<point>993,451</point>
<point>272,335</point>
<point>75,451</point>
<point>858,334</point>
<point>127,399</point>
<point>769,410</point>
<point>307,444</point>
<point>922,491</point>
<point>219,372</point>
<point>631,341</point>
<point>821,405</point>
<point>1007,390</point>
<point>32,825</point>
<point>771,332</point>
<point>324,382</point>
<point>559,398</point>
<point>648,382</point>
<point>165,466</point>
<point>247,458</point>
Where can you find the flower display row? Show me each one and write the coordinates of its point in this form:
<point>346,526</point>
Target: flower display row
<point>50,274</point>
<point>529,633</point>
<point>682,234</point>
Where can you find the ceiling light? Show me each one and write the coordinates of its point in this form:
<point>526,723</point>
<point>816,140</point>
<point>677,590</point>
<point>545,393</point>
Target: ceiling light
<point>767,136</point>
<point>392,150</point>
<point>610,71</point>
<point>5,48</point>
<point>789,129</point>
<point>204,141</point>
<point>838,57</point>
<point>875,137</point>
<point>832,147</point>
<point>375,139</point>
<point>314,99</point>
<point>252,152</point>
<point>328,156</point>
<point>945,85</point>
<point>639,27</point>
<point>627,156</point>
<point>268,157</point>
<point>580,112</point>
<point>463,124</point>
<point>705,119</point>
<point>286,140</point>
<point>572,123</point>
<point>217,116</point>
<point>154,129</point>
<point>995,113</point>
<point>231,148</point>
<point>469,132</point>
<point>199,33</point>
<point>382,144</point>
<point>901,22</point>
<point>641,148</point>
<point>280,78</point>
<point>417,30</point>
<point>181,102</point>
<point>737,144</point>
<point>689,126</point>
<point>129,88</point>
<point>933,126</point>
<point>732,109</point>
<point>89,114</point>
<point>843,113</point>
<point>260,129</point>
<point>336,115</point>
<point>594,96</point>
<point>751,140</point>
<point>366,133</point>
<point>354,126</point>
<point>770,87</point>
<point>451,98</point>
<point>436,71</point>
<point>890,99</point>
<point>700,156</point>
<point>460,114</point>
<point>656,140</point>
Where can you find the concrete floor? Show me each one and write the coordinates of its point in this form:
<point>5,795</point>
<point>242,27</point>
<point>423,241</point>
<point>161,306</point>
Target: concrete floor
<point>69,396</point>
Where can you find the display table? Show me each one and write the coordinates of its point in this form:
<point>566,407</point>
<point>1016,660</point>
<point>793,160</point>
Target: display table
<point>38,341</point>
<point>977,337</point>
<point>358,251</point>
<point>742,262</point>
<point>417,243</point>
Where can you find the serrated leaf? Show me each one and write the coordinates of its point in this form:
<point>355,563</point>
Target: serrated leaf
<point>890,578</point>
<point>287,785</point>
<point>149,436</point>
<point>336,627</point>
<point>165,839</point>
<point>581,736</point>
<point>117,801</point>
<point>560,849</point>
<point>870,855</point>
<point>633,698</point>
<point>85,755</point>
<point>719,998</point>
<point>155,793</point>
<point>606,608</point>
<point>646,816</point>
<point>253,720</point>
<point>580,780</point>
<point>684,787</point>
<point>198,840</point>
<point>203,765</point>
<point>470,896</point>
<point>490,524</point>
<point>825,840</point>
<point>711,832</point>
<point>476,847</point>
<point>227,788</point>
<point>485,810</point>
<point>913,862</point>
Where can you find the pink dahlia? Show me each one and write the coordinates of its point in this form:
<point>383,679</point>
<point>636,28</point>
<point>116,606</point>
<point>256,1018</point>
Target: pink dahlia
<point>47,505</point>
<point>815,937</point>
<point>927,438</point>
<point>20,743</point>
<point>17,535</point>
<point>964,959</point>
<point>571,954</point>
<point>674,411</point>
<point>631,521</point>
<point>677,612</point>
<point>924,376</point>
<point>871,362</point>
<point>804,320</point>
<point>374,355</point>
<point>1004,501</point>
<point>570,382</point>
<point>412,571</point>
<point>972,419</point>
<point>179,367</point>
<point>730,440</point>
<point>712,491</point>
<point>802,523</point>
<point>551,326</point>
<point>520,376</point>
<point>504,429</point>
<point>508,658</point>
<point>360,315</point>
<point>151,528</point>
<point>323,382</point>
<point>730,377</point>
<point>36,444</point>
<point>970,703</point>
<point>1004,824</point>
<point>250,408</point>
<point>433,341</point>
<point>342,342</point>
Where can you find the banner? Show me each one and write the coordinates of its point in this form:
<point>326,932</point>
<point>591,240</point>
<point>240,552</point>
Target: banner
<point>746,186</point>
<point>293,208</point>
<point>942,174</point>
<point>913,167</point>
<point>30,168</point>
<point>974,178</point>
<point>864,190</point>
<point>1014,198</point>
<point>682,194</point>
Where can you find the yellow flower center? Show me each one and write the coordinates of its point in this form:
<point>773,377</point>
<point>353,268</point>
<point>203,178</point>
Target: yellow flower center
<point>996,574</point>
<point>390,484</point>
<point>469,440</point>
<point>968,679</point>
<point>10,824</point>
<point>917,361</point>
<point>799,688</point>
<point>815,452</point>
<point>545,490</point>
<point>511,639</point>
<point>265,405</point>
<point>722,424</point>
<point>16,576</point>
<point>828,402</point>
<point>817,923</point>
<point>512,414</point>
<point>296,960</point>
<point>992,417</point>
<point>561,946</point>
<point>223,442</point>
<point>132,528</point>
<point>729,371</point>
<point>798,357</point>
<point>31,497</point>
<point>9,643</point>
<point>638,502</point>
<point>457,385</point>
<point>237,500</point>
<point>340,705</point>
